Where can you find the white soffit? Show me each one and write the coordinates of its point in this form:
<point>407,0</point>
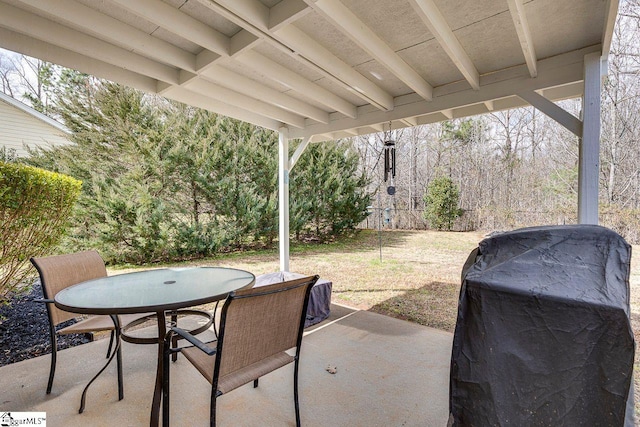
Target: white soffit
<point>323,68</point>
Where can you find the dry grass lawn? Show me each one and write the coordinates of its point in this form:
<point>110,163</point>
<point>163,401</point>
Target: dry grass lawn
<point>418,278</point>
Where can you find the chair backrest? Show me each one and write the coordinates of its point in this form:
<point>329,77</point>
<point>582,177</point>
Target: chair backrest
<point>261,322</point>
<point>61,271</point>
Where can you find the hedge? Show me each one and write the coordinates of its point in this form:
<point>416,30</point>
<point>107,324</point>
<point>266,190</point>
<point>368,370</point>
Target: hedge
<point>35,206</point>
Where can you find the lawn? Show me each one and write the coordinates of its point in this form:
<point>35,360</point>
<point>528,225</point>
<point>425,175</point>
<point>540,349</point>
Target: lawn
<point>416,278</point>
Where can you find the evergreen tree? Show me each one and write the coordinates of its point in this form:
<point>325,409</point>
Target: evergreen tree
<point>441,203</point>
<point>120,155</point>
<point>328,195</point>
<point>165,181</point>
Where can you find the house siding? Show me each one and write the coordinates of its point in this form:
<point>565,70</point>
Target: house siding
<point>18,128</point>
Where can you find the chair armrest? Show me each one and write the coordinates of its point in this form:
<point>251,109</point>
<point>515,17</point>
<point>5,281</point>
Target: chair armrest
<point>44,300</point>
<point>193,340</point>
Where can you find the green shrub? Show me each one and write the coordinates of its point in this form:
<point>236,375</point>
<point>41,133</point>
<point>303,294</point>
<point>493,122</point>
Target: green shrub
<point>35,205</point>
<point>199,240</point>
<point>441,203</point>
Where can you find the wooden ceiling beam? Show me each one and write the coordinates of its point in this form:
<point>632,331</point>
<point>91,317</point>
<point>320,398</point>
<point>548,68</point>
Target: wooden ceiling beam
<point>255,17</point>
<point>57,34</point>
<point>286,12</point>
<point>284,76</point>
<point>231,97</point>
<point>219,46</point>
<point>524,35</point>
<point>609,24</point>
<point>108,28</point>
<point>434,20</point>
<point>305,46</point>
<point>195,99</point>
<point>67,58</point>
<point>179,23</point>
<point>249,87</point>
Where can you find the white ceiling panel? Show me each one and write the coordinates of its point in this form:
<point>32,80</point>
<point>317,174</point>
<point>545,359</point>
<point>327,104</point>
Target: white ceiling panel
<point>492,43</point>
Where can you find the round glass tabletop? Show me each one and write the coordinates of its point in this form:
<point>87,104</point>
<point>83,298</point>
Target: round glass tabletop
<point>153,290</point>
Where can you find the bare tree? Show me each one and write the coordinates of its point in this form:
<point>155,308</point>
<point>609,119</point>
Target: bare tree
<point>29,80</point>
<point>621,103</point>
<point>7,72</point>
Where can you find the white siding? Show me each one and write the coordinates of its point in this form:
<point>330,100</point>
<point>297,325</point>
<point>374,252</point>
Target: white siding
<point>18,127</point>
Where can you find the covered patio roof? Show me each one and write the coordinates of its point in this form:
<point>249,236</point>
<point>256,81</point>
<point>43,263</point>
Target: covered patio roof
<point>326,69</point>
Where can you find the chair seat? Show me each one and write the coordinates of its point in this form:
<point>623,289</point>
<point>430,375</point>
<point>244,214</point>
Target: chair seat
<point>99,323</point>
<point>205,365</point>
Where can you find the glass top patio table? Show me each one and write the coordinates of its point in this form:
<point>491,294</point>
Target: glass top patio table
<point>159,290</point>
<point>153,290</point>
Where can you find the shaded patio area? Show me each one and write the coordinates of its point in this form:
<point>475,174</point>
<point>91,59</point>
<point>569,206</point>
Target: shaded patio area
<point>389,372</point>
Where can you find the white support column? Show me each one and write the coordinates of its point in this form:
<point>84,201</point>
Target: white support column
<point>589,152</point>
<point>283,196</point>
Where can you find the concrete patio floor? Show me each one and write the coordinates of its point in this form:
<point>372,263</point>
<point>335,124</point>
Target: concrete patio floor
<point>389,373</point>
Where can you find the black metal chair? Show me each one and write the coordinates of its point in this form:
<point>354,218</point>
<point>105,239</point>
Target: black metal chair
<point>257,327</point>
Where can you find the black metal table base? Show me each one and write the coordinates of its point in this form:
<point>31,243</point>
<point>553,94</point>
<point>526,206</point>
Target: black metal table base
<point>125,336</point>
<point>121,335</point>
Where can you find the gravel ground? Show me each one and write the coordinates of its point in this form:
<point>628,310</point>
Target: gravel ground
<point>24,329</point>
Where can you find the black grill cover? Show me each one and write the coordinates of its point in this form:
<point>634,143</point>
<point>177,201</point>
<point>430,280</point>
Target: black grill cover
<point>543,336</point>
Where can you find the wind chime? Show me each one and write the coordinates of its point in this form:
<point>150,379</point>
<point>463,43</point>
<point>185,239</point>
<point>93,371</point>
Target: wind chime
<point>389,148</point>
<point>390,162</point>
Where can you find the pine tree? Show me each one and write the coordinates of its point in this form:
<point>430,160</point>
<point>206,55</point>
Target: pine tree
<point>328,195</point>
<point>441,202</point>
<point>166,181</point>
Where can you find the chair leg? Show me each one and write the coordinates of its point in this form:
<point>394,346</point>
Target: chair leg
<point>212,408</point>
<point>255,383</point>
<point>295,392</point>
<point>54,356</point>
<point>174,339</point>
<point>165,383</point>
<point>115,353</point>
<point>110,343</point>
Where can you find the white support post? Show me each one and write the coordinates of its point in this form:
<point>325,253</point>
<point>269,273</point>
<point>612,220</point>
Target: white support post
<point>589,151</point>
<point>283,196</point>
